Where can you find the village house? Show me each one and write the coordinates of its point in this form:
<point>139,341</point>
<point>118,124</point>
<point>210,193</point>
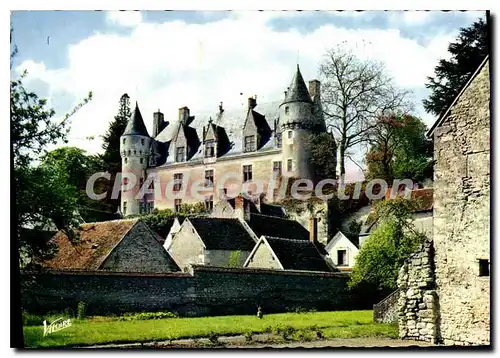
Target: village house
<point>342,252</point>
<point>119,246</point>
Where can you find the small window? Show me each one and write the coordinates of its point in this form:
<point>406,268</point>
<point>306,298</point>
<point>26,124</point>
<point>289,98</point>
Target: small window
<point>341,257</point>
<point>126,160</point>
<point>209,178</point>
<point>177,204</point>
<point>129,153</point>
<point>142,141</point>
<point>484,267</point>
<point>150,206</point>
<point>179,156</point>
<point>135,152</point>
<point>142,160</point>
<point>124,208</point>
<point>279,140</point>
<point>289,165</point>
<point>250,143</point>
<point>290,134</point>
<point>125,181</point>
<point>247,173</point>
<point>276,169</point>
<point>209,203</point>
<point>209,149</point>
<point>177,182</point>
<point>287,110</point>
<point>123,141</point>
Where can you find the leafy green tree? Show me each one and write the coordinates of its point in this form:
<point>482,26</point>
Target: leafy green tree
<point>399,149</point>
<point>324,155</point>
<point>111,159</point>
<point>467,53</point>
<point>382,255</point>
<point>234,259</point>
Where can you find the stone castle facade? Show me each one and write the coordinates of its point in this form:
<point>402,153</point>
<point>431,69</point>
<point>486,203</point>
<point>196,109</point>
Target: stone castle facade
<point>215,156</point>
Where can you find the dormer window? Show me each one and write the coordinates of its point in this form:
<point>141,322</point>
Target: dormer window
<point>179,155</point>
<point>250,143</point>
<point>209,149</point>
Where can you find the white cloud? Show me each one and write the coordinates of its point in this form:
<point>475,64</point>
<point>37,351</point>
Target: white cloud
<point>124,18</point>
<point>173,64</point>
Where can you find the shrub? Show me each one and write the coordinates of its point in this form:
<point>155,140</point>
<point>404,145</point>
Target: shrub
<point>31,319</point>
<point>146,316</point>
<point>82,310</point>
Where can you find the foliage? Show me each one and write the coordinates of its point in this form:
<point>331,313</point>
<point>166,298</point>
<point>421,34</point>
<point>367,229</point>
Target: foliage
<point>323,148</point>
<point>382,255</point>
<point>341,323</point>
<point>355,92</point>
<point>399,150</point>
<point>213,337</point>
<point>234,259</point>
<point>467,53</point>
<point>146,316</point>
<point>82,310</point>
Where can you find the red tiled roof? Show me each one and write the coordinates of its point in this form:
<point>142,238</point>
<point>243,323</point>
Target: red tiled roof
<point>95,242</point>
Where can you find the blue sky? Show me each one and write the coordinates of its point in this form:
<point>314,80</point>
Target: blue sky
<point>170,59</point>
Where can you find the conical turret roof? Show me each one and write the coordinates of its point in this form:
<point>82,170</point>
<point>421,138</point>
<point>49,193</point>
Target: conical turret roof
<point>135,125</point>
<point>297,92</point>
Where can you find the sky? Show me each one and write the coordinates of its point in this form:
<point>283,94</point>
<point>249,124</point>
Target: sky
<point>169,59</point>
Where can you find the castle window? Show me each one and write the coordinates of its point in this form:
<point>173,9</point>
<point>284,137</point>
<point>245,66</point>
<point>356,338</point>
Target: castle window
<point>290,134</point>
<point>276,169</point>
<point>123,141</point>
<point>126,160</point>
<point>247,173</point>
<point>129,153</point>
<point>142,160</point>
<point>209,203</point>
<point>289,165</point>
<point>177,205</point>
<point>484,267</point>
<point>250,143</point>
<point>142,141</point>
<point>279,140</point>
<point>177,182</point>
<point>209,149</point>
<point>124,208</point>
<point>135,152</point>
<point>287,110</point>
<point>209,178</point>
<point>179,156</point>
<point>341,257</point>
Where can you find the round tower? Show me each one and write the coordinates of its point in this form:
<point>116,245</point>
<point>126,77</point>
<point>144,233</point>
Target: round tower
<point>299,121</point>
<point>135,146</point>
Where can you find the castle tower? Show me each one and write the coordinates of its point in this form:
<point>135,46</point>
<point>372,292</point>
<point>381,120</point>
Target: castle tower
<point>300,118</point>
<point>135,146</point>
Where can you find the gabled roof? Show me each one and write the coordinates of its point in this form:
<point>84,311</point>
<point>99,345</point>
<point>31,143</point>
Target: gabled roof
<point>297,254</point>
<point>297,92</point>
<point>135,125</point>
<point>445,113</point>
<point>263,225</point>
<point>222,234</point>
<point>272,210</point>
<point>338,236</point>
<point>95,243</point>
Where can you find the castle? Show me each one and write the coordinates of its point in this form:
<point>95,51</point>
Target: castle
<point>258,144</point>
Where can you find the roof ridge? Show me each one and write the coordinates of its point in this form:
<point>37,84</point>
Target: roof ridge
<point>284,238</point>
<point>107,221</point>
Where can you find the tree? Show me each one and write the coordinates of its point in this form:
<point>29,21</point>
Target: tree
<point>355,93</point>
<point>111,159</point>
<point>389,245</point>
<point>42,195</point>
<point>399,149</point>
<point>324,155</point>
<point>467,53</point>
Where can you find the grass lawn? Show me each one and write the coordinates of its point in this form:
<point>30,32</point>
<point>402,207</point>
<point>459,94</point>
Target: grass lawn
<point>340,324</point>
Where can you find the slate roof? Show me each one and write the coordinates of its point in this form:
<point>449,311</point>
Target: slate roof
<point>135,125</point>
<point>223,234</point>
<point>95,243</point>
<point>263,225</point>
<point>297,92</point>
<point>298,254</point>
<point>272,210</point>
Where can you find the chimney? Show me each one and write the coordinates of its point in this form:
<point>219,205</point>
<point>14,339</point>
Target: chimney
<point>315,89</point>
<point>313,229</point>
<point>158,123</point>
<point>183,115</point>
<point>242,207</point>
<point>252,103</point>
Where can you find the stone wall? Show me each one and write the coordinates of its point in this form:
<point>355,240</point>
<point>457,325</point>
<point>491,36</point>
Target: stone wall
<point>204,291</point>
<point>386,311</point>
<point>417,303</point>
<point>462,215</point>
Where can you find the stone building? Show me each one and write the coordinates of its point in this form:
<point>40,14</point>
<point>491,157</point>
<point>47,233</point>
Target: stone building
<point>218,155</point>
<point>118,246</point>
<point>448,281</point>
